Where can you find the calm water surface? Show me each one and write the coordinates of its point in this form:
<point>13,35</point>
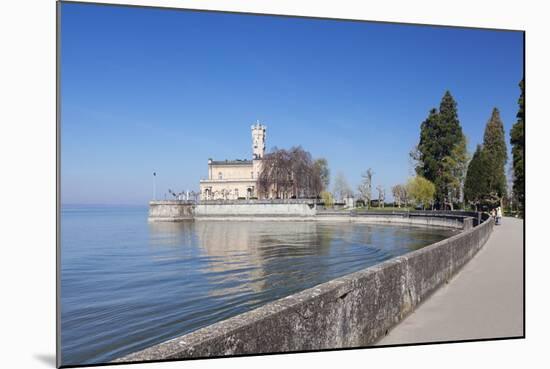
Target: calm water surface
<point>127,284</point>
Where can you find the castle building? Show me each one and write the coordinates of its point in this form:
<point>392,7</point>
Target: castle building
<point>236,179</point>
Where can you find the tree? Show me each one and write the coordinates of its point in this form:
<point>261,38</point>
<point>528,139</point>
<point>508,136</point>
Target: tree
<point>421,190</point>
<point>381,195</point>
<point>365,187</point>
<point>427,152</point>
<point>321,165</point>
<point>454,169</point>
<point>494,147</point>
<point>287,173</point>
<point>328,200</point>
<point>517,140</point>
<point>341,187</point>
<point>510,201</point>
<point>441,154</point>
<point>400,195</point>
<point>476,185</point>
<point>485,183</point>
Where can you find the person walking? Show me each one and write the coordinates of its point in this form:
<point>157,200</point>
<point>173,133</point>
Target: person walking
<point>499,215</point>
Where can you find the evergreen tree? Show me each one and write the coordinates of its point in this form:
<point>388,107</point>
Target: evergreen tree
<point>451,130</point>
<point>494,147</point>
<point>476,185</point>
<point>429,148</point>
<point>517,140</point>
<point>441,153</point>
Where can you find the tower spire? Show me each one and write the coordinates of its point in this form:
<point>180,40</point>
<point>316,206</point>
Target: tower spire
<point>258,140</point>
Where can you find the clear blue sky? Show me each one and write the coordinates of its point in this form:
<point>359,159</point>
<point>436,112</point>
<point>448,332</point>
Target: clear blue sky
<point>146,90</point>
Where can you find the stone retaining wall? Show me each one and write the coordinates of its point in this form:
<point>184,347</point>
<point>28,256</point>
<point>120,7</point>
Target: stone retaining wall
<point>351,311</point>
<point>291,210</point>
<point>171,210</point>
<point>301,209</point>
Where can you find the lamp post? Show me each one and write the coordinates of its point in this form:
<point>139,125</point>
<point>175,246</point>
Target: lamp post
<point>154,186</point>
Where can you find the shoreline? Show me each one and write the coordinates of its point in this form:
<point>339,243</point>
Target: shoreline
<point>454,221</point>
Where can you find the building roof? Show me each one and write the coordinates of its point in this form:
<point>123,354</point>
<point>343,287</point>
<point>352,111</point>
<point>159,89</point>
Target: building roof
<point>231,162</point>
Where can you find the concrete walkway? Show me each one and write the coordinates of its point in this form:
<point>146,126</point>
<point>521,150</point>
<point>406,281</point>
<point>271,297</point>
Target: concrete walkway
<point>483,300</point>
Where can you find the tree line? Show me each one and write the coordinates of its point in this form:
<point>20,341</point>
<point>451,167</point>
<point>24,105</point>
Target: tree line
<point>446,177</point>
<point>479,182</point>
<point>486,184</point>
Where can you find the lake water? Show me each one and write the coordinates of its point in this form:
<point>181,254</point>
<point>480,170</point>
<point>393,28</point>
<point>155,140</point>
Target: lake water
<point>127,284</point>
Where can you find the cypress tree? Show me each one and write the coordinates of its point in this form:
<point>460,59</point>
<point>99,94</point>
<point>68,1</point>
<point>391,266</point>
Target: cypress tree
<point>494,146</point>
<point>429,147</point>
<point>517,140</point>
<point>450,125</point>
<point>476,185</point>
<point>441,152</point>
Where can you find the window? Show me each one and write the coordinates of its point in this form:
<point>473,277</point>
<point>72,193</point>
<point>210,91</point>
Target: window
<point>220,175</point>
<point>251,174</point>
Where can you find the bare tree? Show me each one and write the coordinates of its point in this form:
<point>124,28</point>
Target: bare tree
<point>321,165</point>
<point>400,195</point>
<point>365,187</point>
<point>415,160</point>
<point>290,173</point>
<point>381,195</point>
<point>341,187</point>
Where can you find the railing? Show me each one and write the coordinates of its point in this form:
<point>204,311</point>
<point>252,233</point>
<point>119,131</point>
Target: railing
<point>468,218</point>
<point>173,202</point>
<point>256,201</point>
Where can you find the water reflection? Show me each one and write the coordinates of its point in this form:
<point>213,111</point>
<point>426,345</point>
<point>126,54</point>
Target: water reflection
<point>278,257</point>
<point>126,285</point>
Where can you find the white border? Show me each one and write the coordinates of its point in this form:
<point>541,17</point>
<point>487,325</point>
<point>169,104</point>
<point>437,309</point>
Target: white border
<point>27,151</point>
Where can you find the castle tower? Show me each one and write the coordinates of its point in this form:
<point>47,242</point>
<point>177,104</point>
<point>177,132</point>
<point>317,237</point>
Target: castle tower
<point>258,140</point>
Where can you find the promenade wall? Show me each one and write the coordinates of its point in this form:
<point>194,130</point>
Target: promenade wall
<point>351,311</point>
<point>435,219</point>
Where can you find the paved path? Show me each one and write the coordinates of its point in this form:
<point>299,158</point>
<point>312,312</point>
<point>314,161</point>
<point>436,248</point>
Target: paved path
<point>484,299</point>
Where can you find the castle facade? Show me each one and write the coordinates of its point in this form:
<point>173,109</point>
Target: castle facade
<point>236,179</point>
